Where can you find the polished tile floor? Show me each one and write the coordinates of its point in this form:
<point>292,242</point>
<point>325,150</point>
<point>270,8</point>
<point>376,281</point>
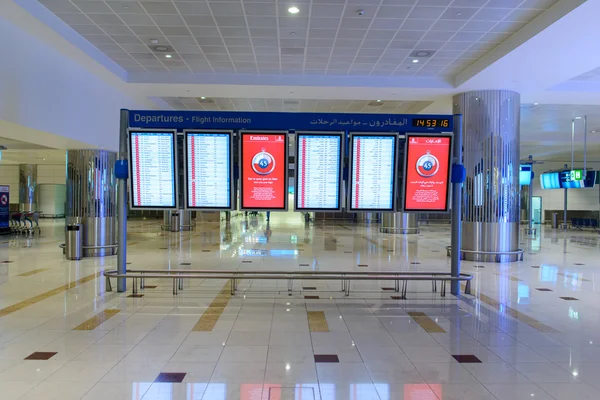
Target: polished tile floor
<point>531,330</point>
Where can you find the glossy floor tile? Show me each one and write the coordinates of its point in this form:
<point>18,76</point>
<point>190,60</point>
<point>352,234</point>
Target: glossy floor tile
<point>63,336</point>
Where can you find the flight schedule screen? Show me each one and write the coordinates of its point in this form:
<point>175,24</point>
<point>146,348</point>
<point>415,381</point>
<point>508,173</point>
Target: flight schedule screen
<point>373,179</point>
<point>264,170</point>
<point>318,177</point>
<point>208,170</point>
<point>152,164</point>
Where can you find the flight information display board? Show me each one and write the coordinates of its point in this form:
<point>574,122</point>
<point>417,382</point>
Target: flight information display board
<point>209,170</point>
<point>427,173</point>
<point>568,179</point>
<point>318,171</point>
<point>263,170</point>
<point>372,172</point>
<point>152,169</point>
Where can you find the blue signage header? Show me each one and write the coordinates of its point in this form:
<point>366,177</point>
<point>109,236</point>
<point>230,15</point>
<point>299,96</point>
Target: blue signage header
<point>149,119</point>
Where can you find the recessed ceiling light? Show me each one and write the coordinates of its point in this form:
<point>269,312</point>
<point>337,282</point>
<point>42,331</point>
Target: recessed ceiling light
<point>415,61</point>
<point>379,101</point>
<point>44,158</point>
<point>577,117</point>
<point>154,41</point>
<point>168,56</point>
<point>293,10</point>
<point>536,104</point>
<point>422,53</point>
<point>202,98</point>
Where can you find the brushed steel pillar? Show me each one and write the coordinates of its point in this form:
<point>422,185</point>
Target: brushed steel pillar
<point>399,222</point>
<point>91,199</point>
<point>491,193</point>
<point>28,187</point>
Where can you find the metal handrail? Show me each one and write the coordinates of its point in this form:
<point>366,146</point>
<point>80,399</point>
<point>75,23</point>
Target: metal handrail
<point>344,276</point>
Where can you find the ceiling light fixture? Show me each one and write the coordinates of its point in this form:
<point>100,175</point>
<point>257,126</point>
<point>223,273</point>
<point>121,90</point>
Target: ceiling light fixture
<point>154,41</point>
<point>379,101</point>
<point>536,104</point>
<point>202,98</point>
<point>577,117</point>
<point>293,10</point>
<point>415,61</point>
<point>168,56</point>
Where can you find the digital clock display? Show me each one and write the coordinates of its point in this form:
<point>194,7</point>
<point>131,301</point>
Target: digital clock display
<point>431,122</point>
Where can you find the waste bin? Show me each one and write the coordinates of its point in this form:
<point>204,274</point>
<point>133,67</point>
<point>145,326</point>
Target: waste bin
<point>555,220</point>
<point>175,223</point>
<point>74,242</point>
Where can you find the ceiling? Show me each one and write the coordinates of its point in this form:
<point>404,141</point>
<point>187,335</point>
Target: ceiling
<point>292,105</point>
<point>326,37</point>
<point>12,144</point>
<point>20,152</point>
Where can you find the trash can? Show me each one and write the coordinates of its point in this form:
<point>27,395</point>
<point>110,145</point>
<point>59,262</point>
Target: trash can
<point>554,220</point>
<point>175,222</point>
<point>74,242</point>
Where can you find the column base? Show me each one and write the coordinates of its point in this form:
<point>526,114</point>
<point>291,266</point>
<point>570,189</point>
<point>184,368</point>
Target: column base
<point>403,231</point>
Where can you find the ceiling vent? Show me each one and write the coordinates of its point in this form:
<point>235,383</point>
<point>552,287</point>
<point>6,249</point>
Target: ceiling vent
<point>421,53</point>
<point>205,100</point>
<point>162,48</point>
<point>291,102</point>
<point>376,103</point>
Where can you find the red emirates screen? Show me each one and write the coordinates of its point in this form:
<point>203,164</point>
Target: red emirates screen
<point>263,174</point>
<point>427,172</point>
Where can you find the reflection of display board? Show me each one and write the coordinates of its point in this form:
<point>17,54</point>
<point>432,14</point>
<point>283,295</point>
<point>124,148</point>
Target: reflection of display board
<point>318,171</point>
<point>264,165</point>
<point>427,173</point>
<point>568,179</point>
<point>152,166</point>
<point>525,174</point>
<point>4,209</point>
<point>209,170</point>
<point>372,172</point>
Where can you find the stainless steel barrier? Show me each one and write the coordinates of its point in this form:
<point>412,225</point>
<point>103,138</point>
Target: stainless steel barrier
<point>179,275</point>
<point>519,253</point>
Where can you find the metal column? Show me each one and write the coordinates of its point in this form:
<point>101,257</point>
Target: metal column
<point>456,208</point>
<point>564,226</point>
<point>122,206</point>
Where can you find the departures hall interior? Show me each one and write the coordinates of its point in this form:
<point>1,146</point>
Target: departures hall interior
<point>299,200</point>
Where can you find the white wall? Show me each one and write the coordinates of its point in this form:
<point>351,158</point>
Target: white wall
<point>51,174</point>
<point>578,199</point>
<point>47,88</point>
<point>9,175</point>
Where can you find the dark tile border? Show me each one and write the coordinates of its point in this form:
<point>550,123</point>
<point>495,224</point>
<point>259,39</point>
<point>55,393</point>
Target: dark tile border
<point>466,358</point>
<point>170,377</point>
<point>41,355</point>
<point>542,289</point>
<point>568,298</point>
<point>326,358</point>
<point>311,297</point>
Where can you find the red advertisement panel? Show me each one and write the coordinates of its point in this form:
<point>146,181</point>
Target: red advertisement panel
<point>264,167</point>
<point>427,169</point>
